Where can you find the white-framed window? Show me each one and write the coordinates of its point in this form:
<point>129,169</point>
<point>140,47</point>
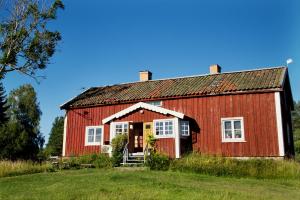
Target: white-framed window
<point>233,129</point>
<point>93,135</point>
<point>155,103</point>
<point>184,128</point>
<point>121,128</point>
<point>164,128</point>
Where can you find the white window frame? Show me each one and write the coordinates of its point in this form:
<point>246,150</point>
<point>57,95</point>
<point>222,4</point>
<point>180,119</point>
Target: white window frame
<point>94,143</point>
<point>164,135</point>
<point>122,124</point>
<point>232,119</point>
<point>188,128</point>
<point>152,103</point>
<point>113,128</point>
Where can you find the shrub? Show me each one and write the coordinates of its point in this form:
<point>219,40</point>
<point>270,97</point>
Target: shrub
<point>220,166</point>
<point>118,144</point>
<point>102,161</point>
<point>157,161</point>
<point>297,147</point>
<point>9,168</point>
<point>96,160</point>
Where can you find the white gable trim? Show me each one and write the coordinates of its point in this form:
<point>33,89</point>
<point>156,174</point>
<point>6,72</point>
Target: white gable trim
<point>144,106</point>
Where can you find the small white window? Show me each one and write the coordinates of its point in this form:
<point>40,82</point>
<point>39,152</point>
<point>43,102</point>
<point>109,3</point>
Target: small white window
<point>155,103</point>
<point>164,128</point>
<point>184,128</point>
<point>233,129</point>
<point>121,128</point>
<point>93,135</point>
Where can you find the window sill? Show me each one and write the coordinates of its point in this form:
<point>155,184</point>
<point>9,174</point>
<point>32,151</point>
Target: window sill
<point>92,144</point>
<point>234,141</point>
<point>161,137</point>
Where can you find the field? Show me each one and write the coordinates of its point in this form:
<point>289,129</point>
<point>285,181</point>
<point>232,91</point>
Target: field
<point>116,184</point>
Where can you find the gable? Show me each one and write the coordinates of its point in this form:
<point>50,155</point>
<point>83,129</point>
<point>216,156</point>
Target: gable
<point>139,106</point>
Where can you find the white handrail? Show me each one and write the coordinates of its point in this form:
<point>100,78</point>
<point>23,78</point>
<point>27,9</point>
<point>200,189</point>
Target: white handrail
<point>125,153</point>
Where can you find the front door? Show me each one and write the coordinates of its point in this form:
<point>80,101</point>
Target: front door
<point>136,137</point>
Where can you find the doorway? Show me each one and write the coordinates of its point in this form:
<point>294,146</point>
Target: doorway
<point>135,137</point>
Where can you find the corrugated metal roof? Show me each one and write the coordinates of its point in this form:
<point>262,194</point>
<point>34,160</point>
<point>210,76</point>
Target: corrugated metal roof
<point>233,82</point>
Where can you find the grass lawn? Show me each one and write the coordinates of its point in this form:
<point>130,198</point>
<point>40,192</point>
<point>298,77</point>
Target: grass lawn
<point>115,184</point>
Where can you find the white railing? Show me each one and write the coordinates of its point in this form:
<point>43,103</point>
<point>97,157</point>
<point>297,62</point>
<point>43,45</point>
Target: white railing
<point>125,153</point>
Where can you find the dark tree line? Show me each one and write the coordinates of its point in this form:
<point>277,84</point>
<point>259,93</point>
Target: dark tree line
<point>296,128</point>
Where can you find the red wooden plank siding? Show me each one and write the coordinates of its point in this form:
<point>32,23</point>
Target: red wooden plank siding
<point>258,111</point>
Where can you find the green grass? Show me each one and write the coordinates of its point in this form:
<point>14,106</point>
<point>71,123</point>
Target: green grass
<point>9,168</point>
<point>116,184</point>
<point>220,166</point>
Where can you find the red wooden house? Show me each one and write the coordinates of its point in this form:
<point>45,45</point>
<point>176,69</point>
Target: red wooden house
<point>235,114</point>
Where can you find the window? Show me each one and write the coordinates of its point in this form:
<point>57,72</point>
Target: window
<point>233,129</point>
<point>184,128</point>
<point>164,128</point>
<point>93,135</point>
<point>155,103</point>
<point>121,128</point>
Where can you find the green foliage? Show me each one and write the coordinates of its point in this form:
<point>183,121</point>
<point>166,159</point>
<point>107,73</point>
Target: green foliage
<point>95,160</point>
<point>220,166</point>
<point>296,118</point>
<point>158,161</point>
<point>26,42</point>
<point>20,138</point>
<point>3,106</point>
<point>9,168</point>
<point>118,144</point>
<point>54,146</point>
<point>297,147</point>
<point>151,140</point>
<point>296,128</point>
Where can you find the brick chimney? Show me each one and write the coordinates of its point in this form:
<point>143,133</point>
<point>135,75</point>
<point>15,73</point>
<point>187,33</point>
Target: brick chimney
<point>215,69</point>
<point>145,75</point>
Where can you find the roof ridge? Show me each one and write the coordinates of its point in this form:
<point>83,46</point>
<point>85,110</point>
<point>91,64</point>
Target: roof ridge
<point>192,76</point>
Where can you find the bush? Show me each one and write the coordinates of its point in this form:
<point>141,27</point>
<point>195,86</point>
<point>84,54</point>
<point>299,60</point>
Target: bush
<point>118,144</point>
<point>102,161</point>
<point>220,166</point>
<point>95,160</point>
<point>9,168</point>
<point>157,161</point>
<point>297,147</point>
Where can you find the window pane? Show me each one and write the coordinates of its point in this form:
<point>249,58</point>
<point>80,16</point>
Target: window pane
<point>227,124</point>
<point>237,134</point>
<point>228,134</point>
<point>98,134</point>
<point>237,124</point>
<point>91,135</point>
<point>184,128</point>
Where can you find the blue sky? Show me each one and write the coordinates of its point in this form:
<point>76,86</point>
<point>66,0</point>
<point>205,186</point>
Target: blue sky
<point>108,42</point>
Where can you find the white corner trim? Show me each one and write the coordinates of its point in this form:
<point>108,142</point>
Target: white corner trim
<point>65,135</point>
<point>144,106</point>
<point>177,138</point>
<point>279,123</point>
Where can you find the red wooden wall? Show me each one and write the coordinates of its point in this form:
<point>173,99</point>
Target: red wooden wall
<point>257,109</point>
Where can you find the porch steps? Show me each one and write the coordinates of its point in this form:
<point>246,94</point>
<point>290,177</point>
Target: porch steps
<point>134,160</point>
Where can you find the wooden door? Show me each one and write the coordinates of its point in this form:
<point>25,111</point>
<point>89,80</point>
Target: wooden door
<point>138,137</point>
